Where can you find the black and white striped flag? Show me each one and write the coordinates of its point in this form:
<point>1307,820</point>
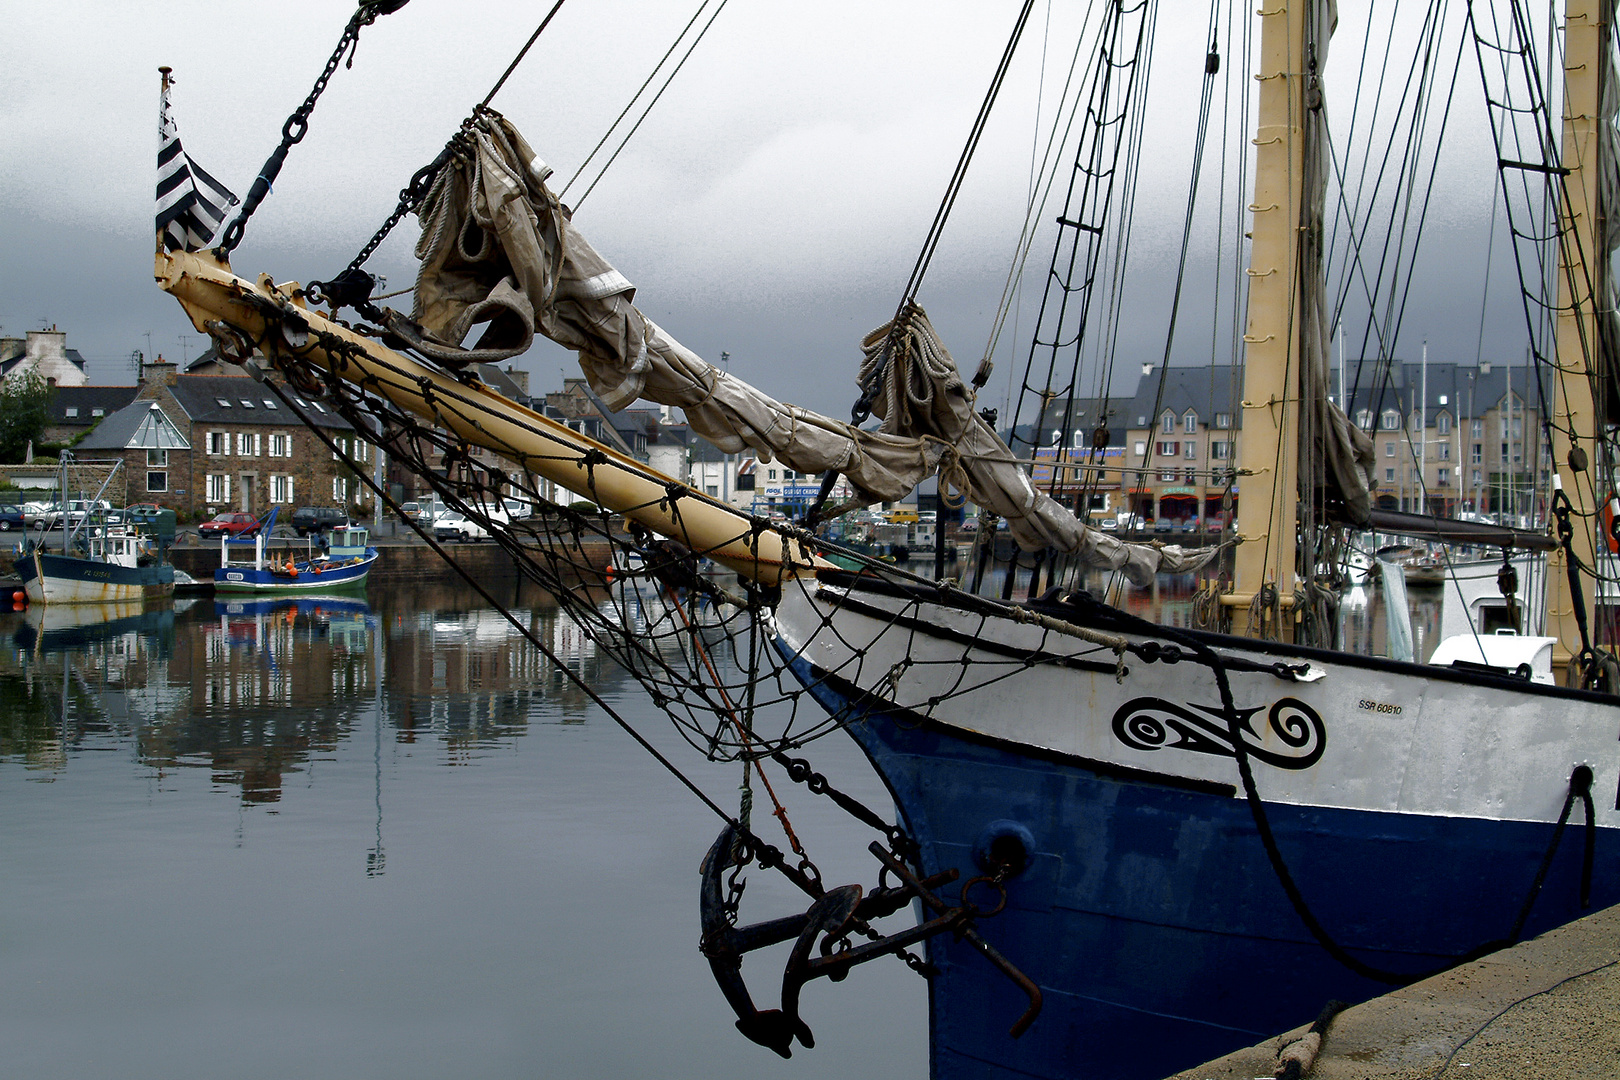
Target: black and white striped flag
<point>191,205</point>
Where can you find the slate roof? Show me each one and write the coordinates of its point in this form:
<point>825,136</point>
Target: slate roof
<point>87,399</point>
<point>140,425</point>
<point>241,401</point>
<point>1462,390</point>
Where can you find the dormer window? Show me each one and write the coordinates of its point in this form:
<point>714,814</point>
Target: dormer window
<point>1168,423</point>
<point>1189,423</point>
<point>1223,420</point>
<point>1390,420</point>
<point>1364,419</point>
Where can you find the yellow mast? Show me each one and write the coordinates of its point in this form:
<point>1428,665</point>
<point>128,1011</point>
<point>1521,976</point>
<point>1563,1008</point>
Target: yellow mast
<point>1573,411</point>
<point>275,320</point>
<point>1268,490</point>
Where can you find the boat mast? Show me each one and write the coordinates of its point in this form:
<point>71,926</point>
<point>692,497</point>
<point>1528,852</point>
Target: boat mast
<point>1272,354</point>
<point>1574,422</point>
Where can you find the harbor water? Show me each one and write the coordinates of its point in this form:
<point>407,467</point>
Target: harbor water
<point>385,837</point>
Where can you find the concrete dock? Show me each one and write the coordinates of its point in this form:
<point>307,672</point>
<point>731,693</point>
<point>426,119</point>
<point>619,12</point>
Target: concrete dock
<point>1546,1009</point>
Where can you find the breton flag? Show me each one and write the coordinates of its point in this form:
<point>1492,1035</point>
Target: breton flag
<point>191,205</point>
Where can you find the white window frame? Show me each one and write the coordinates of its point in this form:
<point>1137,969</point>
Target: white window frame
<point>217,488</point>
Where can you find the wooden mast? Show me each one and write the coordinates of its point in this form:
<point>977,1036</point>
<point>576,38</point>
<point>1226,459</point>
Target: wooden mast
<point>1574,416</point>
<point>1269,484</point>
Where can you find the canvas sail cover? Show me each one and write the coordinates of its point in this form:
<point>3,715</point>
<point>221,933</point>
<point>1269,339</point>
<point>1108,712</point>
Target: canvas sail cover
<point>499,251</point>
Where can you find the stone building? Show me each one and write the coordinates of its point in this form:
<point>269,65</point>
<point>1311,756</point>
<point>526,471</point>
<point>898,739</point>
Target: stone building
<point>203,444</point>
<point>45,351</point>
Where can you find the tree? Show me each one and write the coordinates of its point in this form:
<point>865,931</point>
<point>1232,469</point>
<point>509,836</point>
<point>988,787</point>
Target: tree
<point>25,399</point>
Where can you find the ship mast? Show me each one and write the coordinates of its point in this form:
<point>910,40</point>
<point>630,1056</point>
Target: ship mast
<point>1269,487</point>
<point>1574,421</point>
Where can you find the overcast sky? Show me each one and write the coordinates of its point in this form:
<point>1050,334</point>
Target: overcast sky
<point>771,206</point>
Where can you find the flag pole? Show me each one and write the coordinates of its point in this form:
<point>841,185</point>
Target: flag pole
<point>163,123</point>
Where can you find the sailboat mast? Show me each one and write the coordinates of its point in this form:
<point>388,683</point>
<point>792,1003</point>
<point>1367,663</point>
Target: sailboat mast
<point>1574,422</point>
<point>1271,356</point>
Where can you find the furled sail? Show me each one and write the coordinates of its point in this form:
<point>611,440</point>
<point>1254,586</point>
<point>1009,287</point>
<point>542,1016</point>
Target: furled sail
<point>1338,457</point>
<point>499,250</point>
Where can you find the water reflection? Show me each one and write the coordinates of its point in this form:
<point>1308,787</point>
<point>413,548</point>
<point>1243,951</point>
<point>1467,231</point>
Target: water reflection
<point>254,689</point>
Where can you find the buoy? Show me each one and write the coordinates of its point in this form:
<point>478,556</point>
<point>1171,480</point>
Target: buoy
<point>19,597</point>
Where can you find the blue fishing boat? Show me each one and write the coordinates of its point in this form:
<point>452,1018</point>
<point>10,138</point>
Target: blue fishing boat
<point>262,564</point>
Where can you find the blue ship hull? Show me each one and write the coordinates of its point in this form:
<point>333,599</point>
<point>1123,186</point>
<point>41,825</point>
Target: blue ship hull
<point>1152,919</point>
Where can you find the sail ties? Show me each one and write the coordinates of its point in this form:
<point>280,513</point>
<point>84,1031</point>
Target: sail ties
<point>500,255</point>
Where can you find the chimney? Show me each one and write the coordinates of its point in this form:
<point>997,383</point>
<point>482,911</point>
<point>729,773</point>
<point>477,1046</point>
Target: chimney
<point>160,372</point>
<point>1484,367</point>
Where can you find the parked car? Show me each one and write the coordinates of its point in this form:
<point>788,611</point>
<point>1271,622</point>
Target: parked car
<point>410,511</point>
<point>518,508</point>
<point>39,513</point>
<point>317,519</point>
<point>229,525</point>
<point>454,525</point>
<point>81,510</point>
<point>1109,524</point>
<point>12,517</point>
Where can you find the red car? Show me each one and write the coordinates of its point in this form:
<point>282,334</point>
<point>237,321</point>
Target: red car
<point>229,525</point>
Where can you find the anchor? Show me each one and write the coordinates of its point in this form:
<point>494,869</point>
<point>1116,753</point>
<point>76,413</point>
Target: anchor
<point>832,917</point>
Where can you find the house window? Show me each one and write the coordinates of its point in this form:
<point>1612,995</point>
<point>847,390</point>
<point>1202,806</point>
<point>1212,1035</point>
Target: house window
<point>1504,452</point>
<point>1220,451</point>
<point>281,446</point>
<point>1190,476</point>
<point>269,404</point>
<point>340,489</point>
<point>157,459</point>
<point>98,412</point>
<point>1477,429</point>
<point>745,481</point>
<point>246,404</point>
<point>71,411</point>
<point>1443,478</point>
<point>1390,420</point>
<point>1442,424</point>
<point>1190,451</point>
<point>157,481</point>
<point>218,487</point>
<point>281,489</point>
<point>1364,419</point>
<point>1141,448</point>
<point>223,403</point>
<point>711,490</point>
<point>770,474</point>
<point>1223,420</point>
<point>1476,476</point>
<point>1168,477</point>
<point>1389,449</point>
<point>1445,451</point>
<point>1169,449</point>
<point>1189,423</point>
<point>1168,424</point>
<point>1476,454</point>
<point>219,443</point>
<point>1389,476</point>
<point>249,445</point>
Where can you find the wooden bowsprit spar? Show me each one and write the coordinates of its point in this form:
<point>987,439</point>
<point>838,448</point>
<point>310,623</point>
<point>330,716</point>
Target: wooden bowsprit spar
<point>243,317</point>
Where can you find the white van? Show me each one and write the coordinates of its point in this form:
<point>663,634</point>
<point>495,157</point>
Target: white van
<point>454,525</point>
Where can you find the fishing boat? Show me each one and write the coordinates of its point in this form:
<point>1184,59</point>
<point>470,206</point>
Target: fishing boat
<point>98,562</point>
<point>264,564</point>
<point>1133,847</point>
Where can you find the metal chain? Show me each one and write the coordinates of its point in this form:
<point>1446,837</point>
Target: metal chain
<point>297,125</point>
